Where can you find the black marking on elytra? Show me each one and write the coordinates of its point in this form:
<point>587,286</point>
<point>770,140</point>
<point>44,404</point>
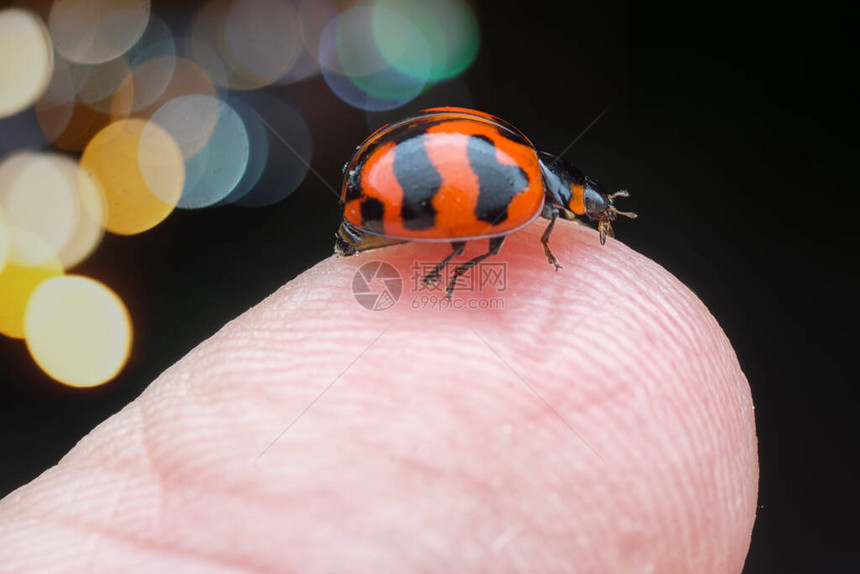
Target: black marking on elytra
<point>498,183</point>
<point>352,184</point>
<point>352,178</point>
<point>397,135</point>
<point>372,212</point>
<point>419,181</point>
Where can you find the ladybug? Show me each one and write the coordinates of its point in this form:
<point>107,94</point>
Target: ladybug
<point>456,175</point>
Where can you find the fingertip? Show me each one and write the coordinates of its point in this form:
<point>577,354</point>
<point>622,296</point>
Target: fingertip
<point>597,417</point>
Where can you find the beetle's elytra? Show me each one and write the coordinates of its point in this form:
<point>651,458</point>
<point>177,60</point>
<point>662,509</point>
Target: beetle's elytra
<point>455,175</point>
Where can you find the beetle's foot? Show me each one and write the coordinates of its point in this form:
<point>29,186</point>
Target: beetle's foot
<point>342,248</point>
<point>551,258</point>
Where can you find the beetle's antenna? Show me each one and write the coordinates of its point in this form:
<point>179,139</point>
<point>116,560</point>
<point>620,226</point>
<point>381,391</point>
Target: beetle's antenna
<point>615,212</point>
<point>605,224</point>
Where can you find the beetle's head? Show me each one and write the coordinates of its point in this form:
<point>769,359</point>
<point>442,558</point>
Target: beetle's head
<point>600,207</point>
<point>576,194</point>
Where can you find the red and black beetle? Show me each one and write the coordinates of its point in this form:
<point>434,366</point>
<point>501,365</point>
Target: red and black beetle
<point>455,175</point>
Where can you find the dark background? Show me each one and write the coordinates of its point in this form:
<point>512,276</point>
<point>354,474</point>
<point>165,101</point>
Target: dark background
<point>731,126</point>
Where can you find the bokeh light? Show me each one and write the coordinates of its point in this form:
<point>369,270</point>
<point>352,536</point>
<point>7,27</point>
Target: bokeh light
<point>96,31</point>
<point>156,42</point>
<point>449,27</point>
<point>290,150</point>
<point>201,42</point>
<point>155,82</point>
<point>38,197</point>
<point>190,120</point>
<point>77,330</point>
<point>217,168</point>
<point>46,194</point>
<point>358,72</point>
<point>26,60</point>
<point>261,41</point>
<point>169,114</point>
<point>258,150</point>
<point>313,15</point>
<point>141,172</point>
<point>151,65</point>
<point>56,107</point>
<point>245,45</point>
<point>66,120</point>
<point>29,261</point>
<point>95,84</point>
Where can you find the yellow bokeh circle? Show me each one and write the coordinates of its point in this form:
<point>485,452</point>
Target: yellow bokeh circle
<point>140,169</point>
<point>4,240</point>
<point>78,330</point>
<point>29,262</point>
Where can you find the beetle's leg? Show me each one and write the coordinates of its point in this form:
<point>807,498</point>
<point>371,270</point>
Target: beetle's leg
<point>495,246</point>
<point>435,276</point>
<point>350,240</point>
<point>551,213</point>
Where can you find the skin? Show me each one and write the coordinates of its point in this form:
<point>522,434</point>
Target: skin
<point>424,445</point>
